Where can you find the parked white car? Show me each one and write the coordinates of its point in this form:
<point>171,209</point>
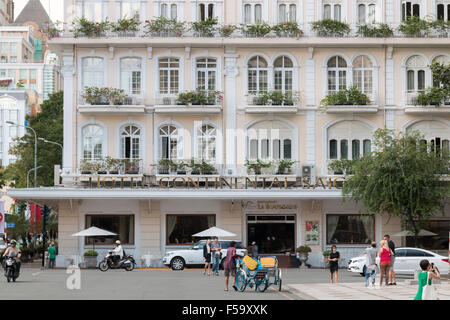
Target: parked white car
<point>2,244</point>
<point>406,261</point>
<point>179,259</point>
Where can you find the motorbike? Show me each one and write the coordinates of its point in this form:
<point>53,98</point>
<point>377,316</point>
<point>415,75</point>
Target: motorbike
<point>11,269</point>
<point>127,262</point>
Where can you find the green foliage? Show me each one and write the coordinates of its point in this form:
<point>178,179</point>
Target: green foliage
<point>102,96</point>
<point>125,25</point>
<point>376,30</point>
<point>330,28</point>
<point>256,30</point>
<point>441,27</point>
<point>257,166</point>
<point>434,96</point>
<point>91,253</point>
<point>400,179</point>
<point>326,253</point>
<point>304,249</point>
<point>343,166</point>
<point>441,74</point>
<point>287,29</point>
<point>414,27</point>
<point>205,28</point>
<point>284,166</point>
<point>85,27</point>
<point>276,98</point>
<point>227,30</point>
<point>48,124</point>
<point>199,97</point>
<point>164,27</point>
<point>350,96</point>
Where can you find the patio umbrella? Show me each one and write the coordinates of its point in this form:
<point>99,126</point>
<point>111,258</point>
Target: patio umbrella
<point>214,232</point>
<point>93,232</point>
<point>407,233</point>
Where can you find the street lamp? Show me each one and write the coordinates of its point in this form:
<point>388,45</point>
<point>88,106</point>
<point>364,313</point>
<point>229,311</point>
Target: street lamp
<point>35,148</point>
<point>28,173</point>
<point>58,144</point>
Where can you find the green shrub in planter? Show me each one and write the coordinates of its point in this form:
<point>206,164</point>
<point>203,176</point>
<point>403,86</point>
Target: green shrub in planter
<point>326,253</point>
<point>442,27</point>
<point>255,30</point>
<point>376,30</point>
<point>344,166</point>
<point>284,166</point>
<point>287,29</point>
<point>350,96</point>
<point>433,96</point>
<point>414,27</point>
<point>330,28</point>
<point>227,30</point>
<point>205,28</point>
<point>90,253</point>
<point>304,249</point>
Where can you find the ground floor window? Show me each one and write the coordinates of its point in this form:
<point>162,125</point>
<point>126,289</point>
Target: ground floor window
<point>350,229</point>
<point>122,225</point>
<point>180,228</point>
<point>438,242</point>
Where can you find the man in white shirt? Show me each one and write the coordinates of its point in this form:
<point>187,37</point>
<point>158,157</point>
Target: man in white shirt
<point>117,252</point>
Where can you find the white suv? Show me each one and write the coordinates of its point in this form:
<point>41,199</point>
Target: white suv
<point>179,259</point>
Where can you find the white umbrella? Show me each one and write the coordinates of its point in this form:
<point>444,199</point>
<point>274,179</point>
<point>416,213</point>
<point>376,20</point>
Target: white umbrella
<point>214,232</point>
<point>408,233</point>
<point>93,232</point>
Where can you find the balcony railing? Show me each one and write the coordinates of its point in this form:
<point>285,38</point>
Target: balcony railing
<point>127,101</point>
<point>265,99</point>
<point>411,99</point>
<point>120,166</point>
<point>189,98</point>
<point>373,99</point>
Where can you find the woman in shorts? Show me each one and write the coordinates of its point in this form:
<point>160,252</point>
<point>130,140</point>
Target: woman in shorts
<point>334,258</point>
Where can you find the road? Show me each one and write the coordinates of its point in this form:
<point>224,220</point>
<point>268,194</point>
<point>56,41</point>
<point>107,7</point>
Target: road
<point>189,284</point>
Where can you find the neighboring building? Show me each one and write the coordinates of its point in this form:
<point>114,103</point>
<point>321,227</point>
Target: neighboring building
<point>6,12</point>
<point>14,105</point>
<point>143,206</point>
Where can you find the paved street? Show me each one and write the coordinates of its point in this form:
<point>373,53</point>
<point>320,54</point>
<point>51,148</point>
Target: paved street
<point>189,284</point>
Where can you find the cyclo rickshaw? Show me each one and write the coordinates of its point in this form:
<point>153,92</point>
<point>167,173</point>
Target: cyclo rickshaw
<point>257,273</point>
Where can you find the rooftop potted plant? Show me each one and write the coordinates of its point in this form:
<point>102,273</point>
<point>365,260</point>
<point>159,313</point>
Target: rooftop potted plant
<point>90,258</point>
<point>205,28</point>
<point>227,30</point>
<point>181,167</point>
<point>163,27</point>
<point>86,167</point>
<point>441,27</point>
<point>287,29</point>
<point>126,27</point>
<point>94,95</point>
<point>256,167</point>
<point>350,96</point>
<point>257,30</point>
<point>50,31</point>
<point>206,168</point>
<point>285,166</point>
<point>195,167</point>
<point>164,166</point>
<point>112,164</point>
<point>414,27</point>
<point>432,96</point>
<point>375,30</point>
<point>131,166</point>
<point>85,27</point>
<point>330,28</point>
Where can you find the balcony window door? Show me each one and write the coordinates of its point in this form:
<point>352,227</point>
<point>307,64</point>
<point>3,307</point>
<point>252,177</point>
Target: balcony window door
<point>92,72</point>
<point>92,142</point>
<point>366,13</point>
<point>130,9</point>
<point>206,142</point>
<point>283,74</point>
<point>443,11</point>
<point>206,11</point>
<point>287,12</point>
<point>257,75</point>
<point>337,74</point>
<point>130,137</point>
<point>130,75</point>
<point>92,10</point>
<point>169,71</point>
<point>169,142</point>
<point>332,11</point>
<point>410,9</point>
<point>363,75</point>
<point>206,73</point>
<point>252,13</point>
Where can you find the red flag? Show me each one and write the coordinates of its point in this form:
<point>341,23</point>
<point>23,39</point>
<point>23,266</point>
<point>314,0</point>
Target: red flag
<point>32,218</point>
<point>38,215</point>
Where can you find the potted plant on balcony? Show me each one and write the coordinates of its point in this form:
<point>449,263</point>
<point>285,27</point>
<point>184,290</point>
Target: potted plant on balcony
<point>163,27</point>
<point>375,30</point>
<point>350,96</point>
<point>414,27</point>
<point>441,27</point>
<point>90,258</point>
<point>86,167</point>
<point>206,168</point>
<point>330,28</point>
<point>115,96</point>
<point>50,31</point>
<point>303,252</point>
<point>126,27</point>
<point>432,96</point>
<point>326,254</point>
<point>131,166</point>
<point>85,27</point>
<point>257,30</point>
<point>101,167</point>
<point>181,167</point>
<point>261,98</point>
<point>112,164</point>
<point>227,30</point>
<point>285,166</point>
<point>94,95</point>
<point>287,29</point>
<point>213,97</point>
<point>164,166</point>
<point>256,167</point>
<point>205,28</point>
<point>195,167</point>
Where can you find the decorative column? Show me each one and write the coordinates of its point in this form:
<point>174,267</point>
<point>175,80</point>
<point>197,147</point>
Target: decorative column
<point>310,15</point>
<point>310,102</point>
<point>390,90</point>
<point>231,71</point>
<point>68,72</point>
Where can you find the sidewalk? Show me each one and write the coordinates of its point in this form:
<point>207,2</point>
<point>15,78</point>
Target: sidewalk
<point>357,291</point>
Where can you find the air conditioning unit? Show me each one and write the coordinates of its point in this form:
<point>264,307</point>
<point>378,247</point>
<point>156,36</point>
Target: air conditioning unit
<point>129,100</point>
<point>308,171</point>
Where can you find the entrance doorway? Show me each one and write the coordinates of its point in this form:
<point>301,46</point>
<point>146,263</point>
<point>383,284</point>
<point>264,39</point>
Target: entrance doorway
<point>273,234</point>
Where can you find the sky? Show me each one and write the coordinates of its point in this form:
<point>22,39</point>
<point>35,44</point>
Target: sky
<point>54,8</point>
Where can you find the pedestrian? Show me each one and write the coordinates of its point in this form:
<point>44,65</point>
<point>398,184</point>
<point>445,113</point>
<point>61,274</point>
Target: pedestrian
<point>334,258</point>
<point>207,256</point>
<point>391,245</point>
<point>254,250</point>
<point>385,261</point>
<point>230,265</point>
<point>216,255</point>
<point>429,271</point>
<point>371,264</point>
<point>51,255</point>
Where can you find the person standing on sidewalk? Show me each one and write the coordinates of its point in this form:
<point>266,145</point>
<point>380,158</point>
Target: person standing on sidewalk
<point>207,256</point>
<point>391,245</point>
<point>385,261</point>
<point>371,264</point>
<point>334,258</point>
<point>51,255</point>
<point>230,265</point>
<point>254,250</point>
<point>429,271</point>
<point>216,248</point>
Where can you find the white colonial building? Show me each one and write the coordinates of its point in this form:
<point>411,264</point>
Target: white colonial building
<point>155,207</point>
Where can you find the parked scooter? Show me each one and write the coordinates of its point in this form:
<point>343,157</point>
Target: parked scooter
<point>11,268</point>
<point>127,262</point>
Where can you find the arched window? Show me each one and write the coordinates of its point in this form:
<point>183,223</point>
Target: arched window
<point>92,72</point>
<point>130,75</point>
<point>168,11</point>
<point>206,73</point>
<point>440,59</point>
<point>332,11</point>
<point>410,9</point>
<point>363,75</point>
<point>287,12</point>
<point>169,142</point>
<point>283,74</point>
<point>435,133</point>
<point>366,13</point>
<point>130,140</point>
<point>206,142</point>
<point>415,77</point>
<point>443,11</point>
<point>337,74</point>
<point>257,75</point>
<point>92,142</point>
<point>349,139</point>
<point>93,11</point>
<point>252,13</point>
<point>130,9</point>
<point>206,11</point>
<point>169,72</point>
<point>269,140</point>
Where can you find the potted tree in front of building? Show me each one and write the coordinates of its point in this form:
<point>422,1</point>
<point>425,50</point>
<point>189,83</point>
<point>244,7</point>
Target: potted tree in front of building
<point>90,258</point>
<point>303,252</point>
<point>285,166</point>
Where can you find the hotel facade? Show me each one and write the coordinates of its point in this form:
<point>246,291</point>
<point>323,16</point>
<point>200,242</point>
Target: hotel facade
<point>155,208</point>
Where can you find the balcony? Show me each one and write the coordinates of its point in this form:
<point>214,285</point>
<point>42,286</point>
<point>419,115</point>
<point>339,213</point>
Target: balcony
<point>271,102</point>
<point>413,106</point>
<point>95,101</point>
<point>189,102</point>
<point>353,107</point>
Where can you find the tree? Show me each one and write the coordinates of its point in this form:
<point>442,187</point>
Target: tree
<point>401,178</point>
<point>48,124</point>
